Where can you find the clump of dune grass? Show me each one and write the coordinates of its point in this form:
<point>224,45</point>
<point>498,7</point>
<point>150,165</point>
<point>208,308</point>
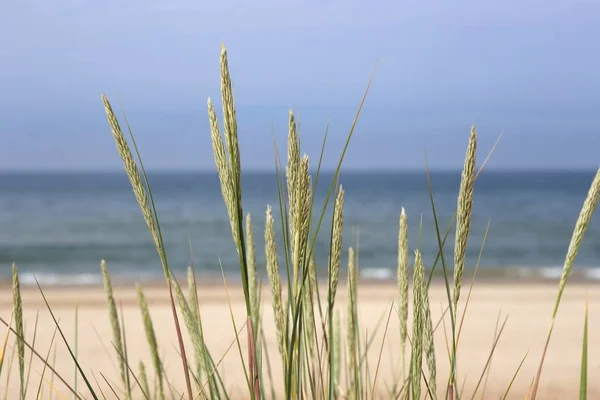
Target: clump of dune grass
<point>311,343</point>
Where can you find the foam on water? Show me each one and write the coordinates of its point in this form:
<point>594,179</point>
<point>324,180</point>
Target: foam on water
<point>592,273</point>
<point>550,272</point>
<point>45,279</point>
<point>379,274</point>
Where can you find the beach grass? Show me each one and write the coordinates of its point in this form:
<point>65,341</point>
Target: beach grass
<point>323,351</point>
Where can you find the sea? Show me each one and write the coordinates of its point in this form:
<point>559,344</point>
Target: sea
<point>57,227</point>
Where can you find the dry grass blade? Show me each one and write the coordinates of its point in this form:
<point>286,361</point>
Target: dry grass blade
<point>188,382</point>
<point>5,342</point>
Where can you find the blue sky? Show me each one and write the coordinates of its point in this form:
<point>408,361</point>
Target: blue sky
<point>527,69</point>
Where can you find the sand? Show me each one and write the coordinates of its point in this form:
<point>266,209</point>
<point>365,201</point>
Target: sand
<point>527,305</point>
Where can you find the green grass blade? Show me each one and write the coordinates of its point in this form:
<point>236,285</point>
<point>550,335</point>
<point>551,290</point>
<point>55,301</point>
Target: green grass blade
<point>35,330</point>
<point>45,362</point>
<point>50,367</point>
<point>125,356</point>
<point>381,351</point>
<point>76,345</point>
<point>584,359</point>
<point>10,364</point>
<point>83,375</point>
<point>489,360</point>
<point>515,376</point>
<point>237,339</point>
<point>452,378</point>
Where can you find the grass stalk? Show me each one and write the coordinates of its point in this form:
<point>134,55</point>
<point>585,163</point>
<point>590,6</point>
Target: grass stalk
<point>115,325</point>
<point>585,216</point>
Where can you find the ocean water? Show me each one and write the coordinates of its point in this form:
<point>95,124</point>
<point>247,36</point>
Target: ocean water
<point>57,227</point>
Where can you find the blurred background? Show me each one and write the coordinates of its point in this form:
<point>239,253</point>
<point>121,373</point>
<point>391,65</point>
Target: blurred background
<point>525,69</point>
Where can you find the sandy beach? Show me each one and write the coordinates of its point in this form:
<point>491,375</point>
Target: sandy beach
<point>527,305</point>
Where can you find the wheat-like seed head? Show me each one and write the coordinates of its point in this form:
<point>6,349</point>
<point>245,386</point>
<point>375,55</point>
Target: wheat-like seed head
<point>274,280</point>
<point>311,292</point>
<point>151,338</point>
<point>230,124</point>
<point>18,310</point>
<point>463,215</point>
<point>418,322</point>
<point>133,173</point>
<point>224,171</point>
<point>144,379</point>
<point>292,174</point>
<point>194,307</point>
<point>336,244</point>
<point>309,318</point>
<point>428,341</point>
<point>585,216</point>
<point>192,326</point>
<point>403,284</point>
<point>351,313</point>
<point>305,196</point>
<point>192,292</point>
<point>114,321</point>
<point>312,273</point>
<point>251,259</point>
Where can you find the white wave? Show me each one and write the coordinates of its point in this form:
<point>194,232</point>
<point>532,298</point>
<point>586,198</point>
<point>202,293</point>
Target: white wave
<point>550,272</point>
<point>380,274</point>
<point>592,273</point>
<point>45,279</point>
